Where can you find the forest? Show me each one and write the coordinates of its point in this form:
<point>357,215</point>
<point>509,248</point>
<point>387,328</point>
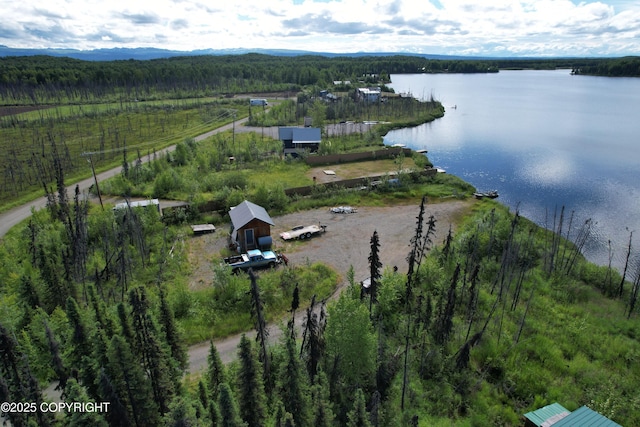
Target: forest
<point>43,79</point>
<point>30,80</point>
<point>628,66</point>
<point>493,319</point>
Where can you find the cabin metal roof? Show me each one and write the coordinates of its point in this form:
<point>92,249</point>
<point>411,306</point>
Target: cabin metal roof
<point>137,204</point>
<point>552,412</point>
<point>245,212</point>
<point>299,135</point>
<point>585,417</point>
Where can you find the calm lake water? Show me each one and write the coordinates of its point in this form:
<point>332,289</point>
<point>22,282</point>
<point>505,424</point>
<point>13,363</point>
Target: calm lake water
<point>543,139</point>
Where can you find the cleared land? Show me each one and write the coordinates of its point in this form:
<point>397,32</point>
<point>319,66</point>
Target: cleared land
<point>345,243</point>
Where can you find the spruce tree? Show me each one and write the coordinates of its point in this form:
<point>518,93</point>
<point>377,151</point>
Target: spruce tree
<point>131,385</point>
<point>216,373</point>
<point>74,392</point>
<point>125,323</point>
<point>251,397</point>
<point>149,348</point>
<point>374,270</point>
<point>214,413</point>
<point>358,416</point>
<point>172,335</point>
<point>181,414</point>
<point>79,334</point>
<point>313,344</point>
<point>322,413</point>
<point>103,319</point>
<point>118,416</point>
<point>203,394</point>
<point>228,408</point>
<point>293,387</point>
<point>262,333</point>
<point>29,299</point>
<point>295,303</point>
<point>17,383</point>
<point>57,364</point>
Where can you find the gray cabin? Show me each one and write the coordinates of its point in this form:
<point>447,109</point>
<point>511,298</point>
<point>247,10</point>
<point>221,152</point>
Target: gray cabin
<point>251,227</point>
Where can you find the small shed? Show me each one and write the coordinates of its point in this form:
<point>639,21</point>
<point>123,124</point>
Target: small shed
<point>251,226</point>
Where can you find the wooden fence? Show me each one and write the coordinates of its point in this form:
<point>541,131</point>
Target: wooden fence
<point>384,153</point>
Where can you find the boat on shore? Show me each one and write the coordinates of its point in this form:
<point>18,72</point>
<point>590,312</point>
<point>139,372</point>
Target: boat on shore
<point>492,194</point>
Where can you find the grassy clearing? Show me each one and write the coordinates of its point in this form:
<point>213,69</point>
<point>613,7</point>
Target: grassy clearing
<point>223,308</point>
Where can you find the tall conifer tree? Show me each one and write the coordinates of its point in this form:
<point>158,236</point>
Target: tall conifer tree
<point>130,385</point>
<point>228,408</point>
<point>358,416</point>
<point>216,373</point>
<point>293,387</point>
<point>251,396</point>
<point>148,346</point>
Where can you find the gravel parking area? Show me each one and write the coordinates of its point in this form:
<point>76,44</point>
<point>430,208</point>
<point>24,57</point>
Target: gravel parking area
<point>346,241</point>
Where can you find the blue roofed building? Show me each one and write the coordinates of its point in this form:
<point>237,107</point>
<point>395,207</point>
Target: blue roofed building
<point>296,140</point>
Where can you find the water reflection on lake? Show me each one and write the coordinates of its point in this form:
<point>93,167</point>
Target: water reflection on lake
<point>543,139</point>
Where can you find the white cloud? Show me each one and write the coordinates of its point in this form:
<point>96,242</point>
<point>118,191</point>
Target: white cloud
<point>490,27</point>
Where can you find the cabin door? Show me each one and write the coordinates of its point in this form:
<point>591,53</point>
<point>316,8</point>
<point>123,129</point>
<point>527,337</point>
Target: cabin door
<point>249,239</point>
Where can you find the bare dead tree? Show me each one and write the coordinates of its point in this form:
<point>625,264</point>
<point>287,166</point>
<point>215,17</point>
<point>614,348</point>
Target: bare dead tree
<point>635,289</point>
<point>524,317</point>
<point>626,266</point>
<point>412,258</point>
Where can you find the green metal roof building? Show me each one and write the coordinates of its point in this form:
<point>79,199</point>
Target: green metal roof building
<point>558,416</point>
<point>585,417</point>
<point>546,416</point>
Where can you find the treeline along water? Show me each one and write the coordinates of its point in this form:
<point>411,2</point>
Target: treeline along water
<point>543,139</point>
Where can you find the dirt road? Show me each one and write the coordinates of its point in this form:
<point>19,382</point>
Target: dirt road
<point>14,216</point>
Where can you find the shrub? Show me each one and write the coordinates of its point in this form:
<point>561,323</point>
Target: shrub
<point>167,182</point>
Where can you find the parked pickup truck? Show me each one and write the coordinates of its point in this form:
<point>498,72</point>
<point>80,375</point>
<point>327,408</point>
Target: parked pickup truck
<point>303,232</point>
<point>254,258</point>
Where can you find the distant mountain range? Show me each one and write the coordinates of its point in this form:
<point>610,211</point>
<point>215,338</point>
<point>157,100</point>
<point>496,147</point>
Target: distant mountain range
<point>145,53</point>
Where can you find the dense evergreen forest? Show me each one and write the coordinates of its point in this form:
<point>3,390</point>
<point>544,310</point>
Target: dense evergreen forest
<point>45,79</point>
<point>620,67</point>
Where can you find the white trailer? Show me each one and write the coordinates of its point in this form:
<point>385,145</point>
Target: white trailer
<point>303,232</point>
<point>262,102</point>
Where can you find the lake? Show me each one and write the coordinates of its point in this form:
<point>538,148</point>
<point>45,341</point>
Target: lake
<point>543,139</point>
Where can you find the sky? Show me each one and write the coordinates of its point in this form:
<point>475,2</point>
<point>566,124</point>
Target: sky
<point>445,27</point>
